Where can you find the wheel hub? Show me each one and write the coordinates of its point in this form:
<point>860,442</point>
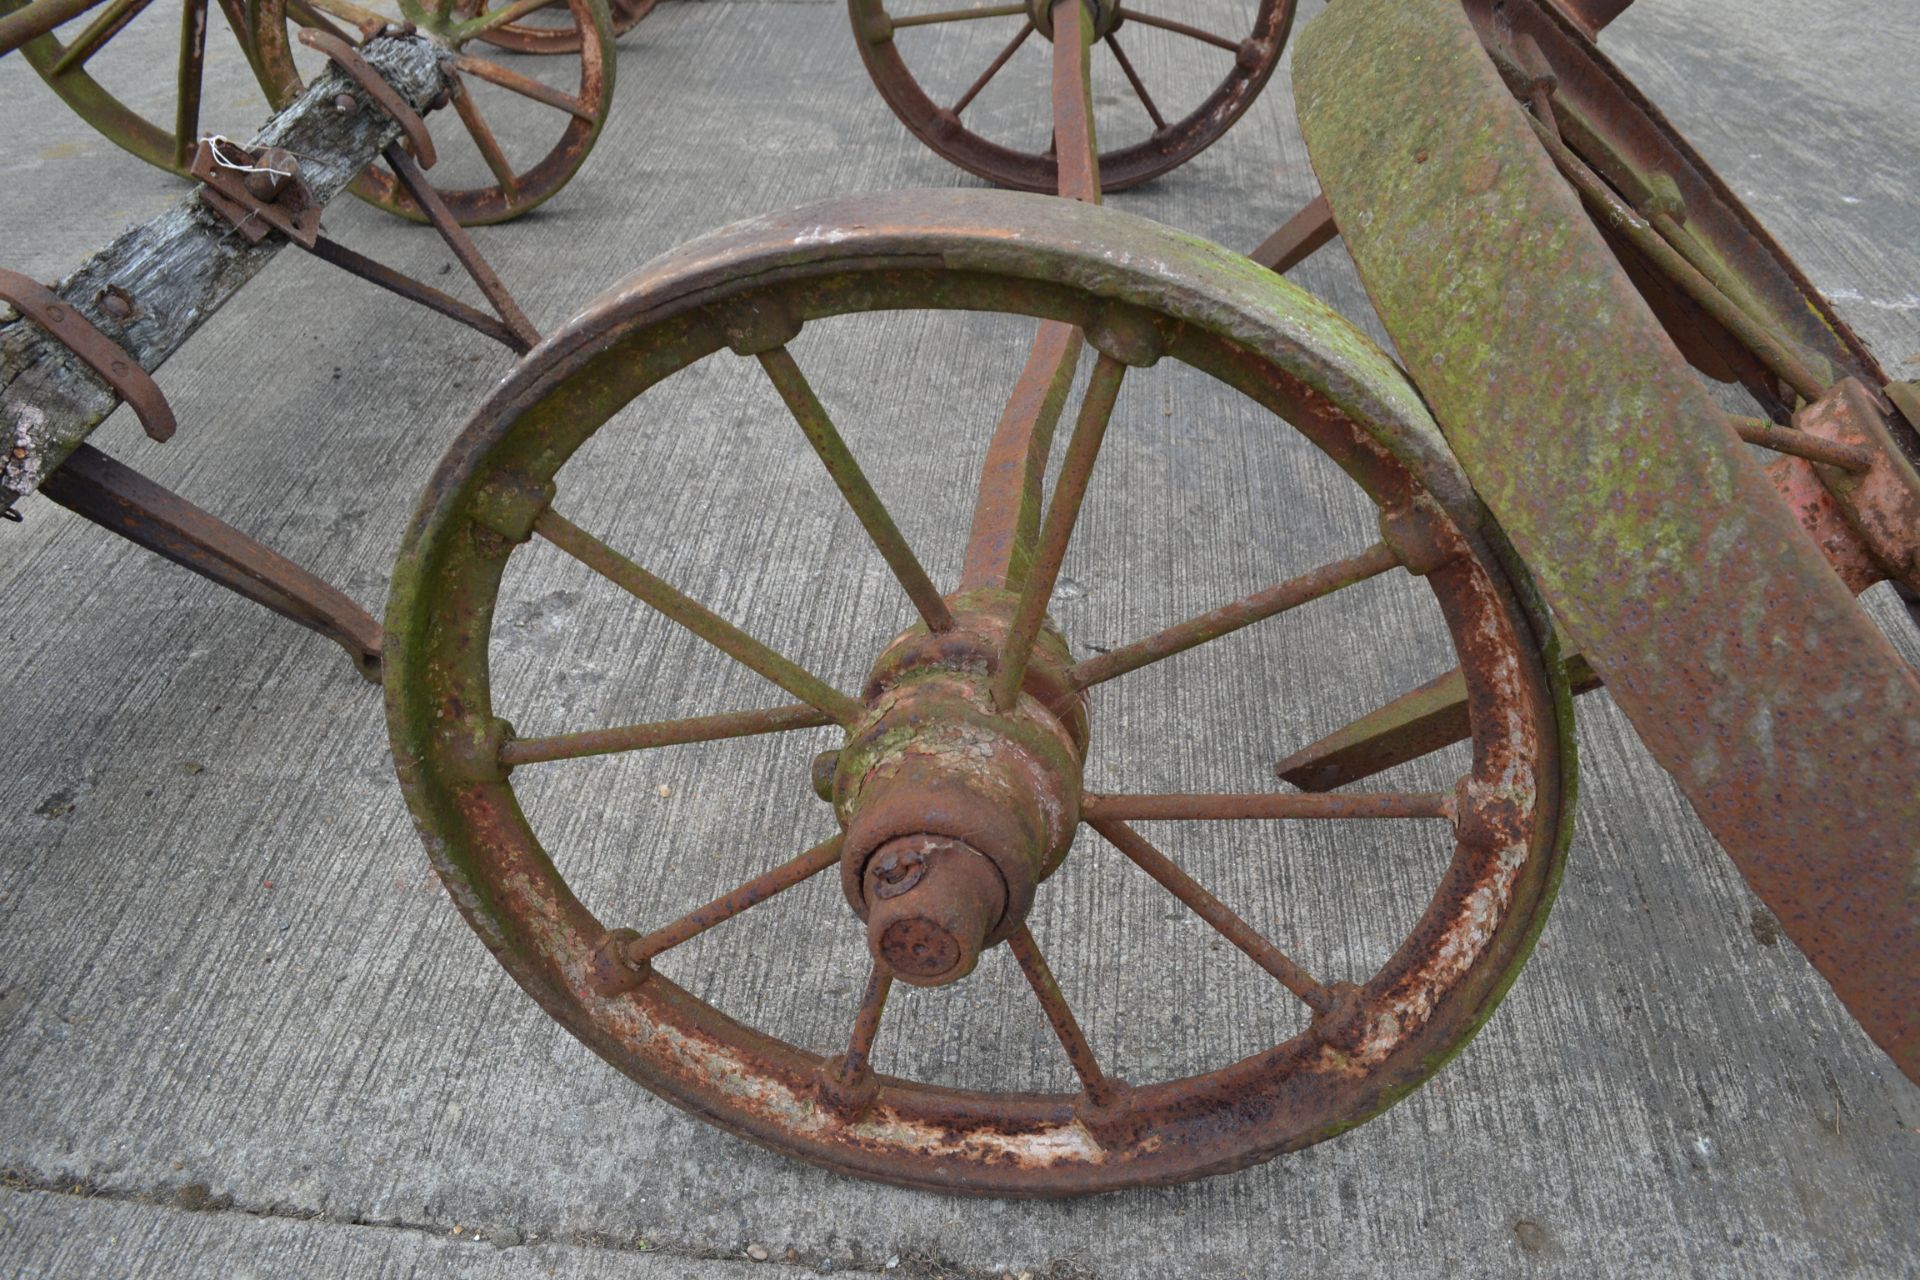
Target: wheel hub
<point>955,809</point>
<point>1106,16</point>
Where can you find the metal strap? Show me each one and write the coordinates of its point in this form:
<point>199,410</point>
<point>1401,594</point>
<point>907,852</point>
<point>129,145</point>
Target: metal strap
<point>96,350</point>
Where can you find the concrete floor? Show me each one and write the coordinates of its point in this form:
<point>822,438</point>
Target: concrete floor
<point>242,1032</point>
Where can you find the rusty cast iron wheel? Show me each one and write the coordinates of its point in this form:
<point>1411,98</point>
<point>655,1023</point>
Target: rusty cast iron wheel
<point>956,785</point>
<point>550,31</point>
<point>62,61</point>
<point>1141,141</point>
<point>1654,176</point>
<point>462,26</point>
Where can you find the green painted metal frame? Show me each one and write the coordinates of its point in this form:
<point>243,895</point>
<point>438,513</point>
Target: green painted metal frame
<point>1741,657</point>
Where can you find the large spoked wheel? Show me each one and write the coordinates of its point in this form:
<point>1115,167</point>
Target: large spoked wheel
<point>571,115</point>
<point>553,31</point>
<point>956,777</point>
<point>993,119</point>
<point>65,60</point>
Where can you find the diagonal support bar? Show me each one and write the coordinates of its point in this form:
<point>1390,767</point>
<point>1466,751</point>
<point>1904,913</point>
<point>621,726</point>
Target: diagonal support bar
<point>1006,516</point>
<point>121,500</point>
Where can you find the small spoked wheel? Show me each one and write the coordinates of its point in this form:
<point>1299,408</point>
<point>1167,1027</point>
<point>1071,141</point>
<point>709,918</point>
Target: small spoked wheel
<point>552,30</point>
<point>967,81</point>
<point>563,105</point>
<point>68,59</point>
<point>939,801</point>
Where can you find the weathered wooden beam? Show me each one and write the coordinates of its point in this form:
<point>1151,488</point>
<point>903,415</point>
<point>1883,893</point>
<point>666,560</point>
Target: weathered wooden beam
<point>177,269</point>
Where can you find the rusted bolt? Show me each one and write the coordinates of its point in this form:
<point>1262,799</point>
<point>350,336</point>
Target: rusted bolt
<point>117,302</point>
<point>274,169</point>
<point>345,103</point>
<point>610,971</point>
<point>824,766</point>
<point>1420,537</point>
<point>895,873</point>
<point>931,903</point>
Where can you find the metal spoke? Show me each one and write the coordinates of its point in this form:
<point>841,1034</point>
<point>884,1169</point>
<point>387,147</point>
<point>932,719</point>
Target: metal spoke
<point>483,138</point>
<point>102,29</point>
<point>498,18</point>
<point>866,1027</point>
<point>957,15</point>
<point>33,20</point>
<point>1100,1090</point>
<point>310,17</point>
<point>1216,913</point>
<point>1069,491</point>
<point>695,617</point>
<point>525,86</point>
<point>369,23</point>
<point>1832,453</point>
<point>641,951</point>
<point>662,733</point>
<point>1133,78</point>
<point>1227,619</point>
<point>854,486</point>
<point>1267,805</point>
<point>993,69</point>
<point>1168,24</point>
<point>1006,515</point>
<point>193,55</point>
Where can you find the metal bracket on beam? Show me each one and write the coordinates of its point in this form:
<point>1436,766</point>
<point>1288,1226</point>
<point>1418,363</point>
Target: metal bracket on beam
<point>96,350</point>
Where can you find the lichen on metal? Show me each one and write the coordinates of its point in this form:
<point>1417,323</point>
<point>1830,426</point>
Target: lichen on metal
<point>1741,657</point>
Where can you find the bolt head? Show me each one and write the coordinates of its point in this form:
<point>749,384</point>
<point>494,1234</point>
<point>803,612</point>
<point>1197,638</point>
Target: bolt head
<point>824,767</point>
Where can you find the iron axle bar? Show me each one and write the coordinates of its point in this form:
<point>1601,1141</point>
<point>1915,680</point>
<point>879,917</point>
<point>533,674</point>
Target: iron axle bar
<point>1303,235</point>
<point>1006,516</point>
<point>1069,491</point>
<point>121,500</point>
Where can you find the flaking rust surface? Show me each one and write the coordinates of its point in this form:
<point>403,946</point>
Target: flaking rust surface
<point>227,975</point>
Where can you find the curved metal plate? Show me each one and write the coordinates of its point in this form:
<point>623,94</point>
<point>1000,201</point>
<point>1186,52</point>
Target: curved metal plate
<point>1745,665</point>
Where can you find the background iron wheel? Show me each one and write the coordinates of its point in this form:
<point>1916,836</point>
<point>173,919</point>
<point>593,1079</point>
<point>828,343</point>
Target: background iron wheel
<point>548,31</point>
<point>515,186</point>
<point>1004,136</point>
<point>63,63</point>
